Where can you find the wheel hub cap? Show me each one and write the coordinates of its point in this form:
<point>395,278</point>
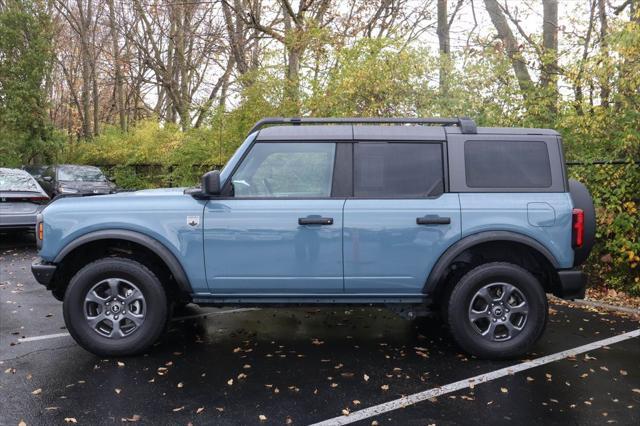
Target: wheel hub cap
<point>498,311</point>
<point>114,308</point>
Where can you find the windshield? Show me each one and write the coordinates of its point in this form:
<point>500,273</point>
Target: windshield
<point>17,180</point>
<point>81,174</point>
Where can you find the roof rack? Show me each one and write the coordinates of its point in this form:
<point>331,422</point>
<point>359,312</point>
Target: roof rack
<point>465,124</point>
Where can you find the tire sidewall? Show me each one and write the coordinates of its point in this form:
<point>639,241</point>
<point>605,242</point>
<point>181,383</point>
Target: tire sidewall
<point>462,295</point>
<point>155,307</point>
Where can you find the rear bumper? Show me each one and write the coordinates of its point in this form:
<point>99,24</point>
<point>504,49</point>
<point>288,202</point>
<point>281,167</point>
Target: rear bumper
<point>42,271</point>
<point>573,284</point>
<point>18,221</point>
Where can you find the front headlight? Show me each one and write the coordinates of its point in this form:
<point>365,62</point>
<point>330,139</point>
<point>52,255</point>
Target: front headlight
<point>64,190</point>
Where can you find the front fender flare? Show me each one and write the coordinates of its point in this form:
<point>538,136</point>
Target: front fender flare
<point>175,267</point>
<point>439,270</point>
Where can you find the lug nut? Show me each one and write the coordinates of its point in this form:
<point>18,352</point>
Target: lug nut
<point>504,318</point>
<point>495,319</point>
<point>108,313</point>
<point>116,317</point>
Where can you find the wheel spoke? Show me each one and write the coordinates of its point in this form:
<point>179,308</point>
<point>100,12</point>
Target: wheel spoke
<point>476,315</point>
<point>116,332</point>
<point>490,331</point>
<point>485,295</point>
<point>113,286</point>
<point>522,308</point>
<point>134,295</point>
<point>512,329</point>
<point>136,319</point>
<point>94,321</point>
<point>92,296</point>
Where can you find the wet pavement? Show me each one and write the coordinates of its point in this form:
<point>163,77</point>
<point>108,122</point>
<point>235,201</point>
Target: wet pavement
<point>299,366</point>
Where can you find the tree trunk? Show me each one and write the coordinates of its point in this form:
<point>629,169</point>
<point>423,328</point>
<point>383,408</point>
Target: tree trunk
<point>116,67</point>
<point>445,48</point>
<point>86,72</point>
<point>511,46</point>
<point>605,90</point>
<point>549,76</point>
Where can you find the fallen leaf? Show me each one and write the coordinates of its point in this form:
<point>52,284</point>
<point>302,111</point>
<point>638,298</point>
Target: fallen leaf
<point>530,379</point>
<point>623,372</point>
<point>199,410</point>
<point>37,391</point>
<point>345,411</point>
<point>384,387</point>
<point>22,423</point>
<point>132,419</point>
<point>334,385</point>
<point>120,364</point>
<point>180,385</point>
<point>118,391</point>
<point>504,390</point>
<point>10,370</point>
<point>246,366</point>
<point>230,382</point>
<point>356,402</point>
<point>635,390</point>
<point>366,378</point>
<point>262,418</point>
<point>178,409</point>
<point>220,409</point>
<point>70,420</point>
<point>242,376</point>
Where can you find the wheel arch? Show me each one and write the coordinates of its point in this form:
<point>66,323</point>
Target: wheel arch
<point>441,270</point>
<point>151,244</point>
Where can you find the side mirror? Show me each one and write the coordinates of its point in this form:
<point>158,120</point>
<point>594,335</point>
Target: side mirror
<point>211,183</point>
<point>47,178</point>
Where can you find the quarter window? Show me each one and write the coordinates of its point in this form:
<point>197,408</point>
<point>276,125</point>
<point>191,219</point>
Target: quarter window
<point>286,169</point>
<point>398,170</point>
<point>507,164</point>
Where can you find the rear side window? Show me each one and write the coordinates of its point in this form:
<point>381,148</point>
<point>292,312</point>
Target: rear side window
<point>507,164</point>
<point>398,170</point>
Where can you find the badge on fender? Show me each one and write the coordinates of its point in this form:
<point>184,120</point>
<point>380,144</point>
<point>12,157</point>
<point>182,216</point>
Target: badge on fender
<point>193,220</point>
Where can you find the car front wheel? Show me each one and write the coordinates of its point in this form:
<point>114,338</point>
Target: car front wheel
<point>497,310</point>
<point>115,307</point>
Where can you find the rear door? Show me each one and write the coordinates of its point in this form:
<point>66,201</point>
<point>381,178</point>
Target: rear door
<point>400,219</point>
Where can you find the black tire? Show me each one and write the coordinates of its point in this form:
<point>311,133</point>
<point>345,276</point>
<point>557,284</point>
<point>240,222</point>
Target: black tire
<point>155,307</point>
<point>466,334</point>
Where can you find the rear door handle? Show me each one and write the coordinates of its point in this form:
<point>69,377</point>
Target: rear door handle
<point>433,220</point>
<point>315,221</point>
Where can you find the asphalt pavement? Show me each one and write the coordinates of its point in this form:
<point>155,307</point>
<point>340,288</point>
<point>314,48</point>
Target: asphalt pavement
<point>307,365</point>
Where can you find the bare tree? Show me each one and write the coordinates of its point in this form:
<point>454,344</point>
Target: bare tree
<point>511,46</point>
<point>549,59</point>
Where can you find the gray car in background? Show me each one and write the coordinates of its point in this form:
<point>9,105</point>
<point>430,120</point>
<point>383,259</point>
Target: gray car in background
<point>75,180</point>
<point>21,199</point>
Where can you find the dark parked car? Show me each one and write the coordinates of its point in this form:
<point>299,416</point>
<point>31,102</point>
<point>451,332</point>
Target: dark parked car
<point>67,179</point>
<point>21,199</point>
<point>35,170</point>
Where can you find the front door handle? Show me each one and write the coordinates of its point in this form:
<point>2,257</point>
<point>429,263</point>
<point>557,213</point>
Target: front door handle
<point>315,221</point>
<point>433,220</point>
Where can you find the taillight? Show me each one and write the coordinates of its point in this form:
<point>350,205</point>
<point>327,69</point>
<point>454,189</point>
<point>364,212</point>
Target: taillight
<point>40,231</point>
<point>578,228</point>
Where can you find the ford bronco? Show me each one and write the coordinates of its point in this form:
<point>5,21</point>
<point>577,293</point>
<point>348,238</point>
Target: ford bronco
<point>439,214</point>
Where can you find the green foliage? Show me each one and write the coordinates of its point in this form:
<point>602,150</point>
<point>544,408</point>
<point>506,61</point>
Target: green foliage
<point>615,259</point>
<point>26,55</point>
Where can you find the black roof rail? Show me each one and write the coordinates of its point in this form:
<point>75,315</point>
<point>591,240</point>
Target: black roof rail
<point>465,124</point>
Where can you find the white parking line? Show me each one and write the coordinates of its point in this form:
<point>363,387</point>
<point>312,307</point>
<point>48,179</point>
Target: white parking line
<point>376,410</point>
<point>203,314</point>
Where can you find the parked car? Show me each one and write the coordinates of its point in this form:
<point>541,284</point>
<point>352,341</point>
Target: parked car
<point>477,223</point>
<point>68,179</point>
<point>35,170</point>
<point>21,199</point>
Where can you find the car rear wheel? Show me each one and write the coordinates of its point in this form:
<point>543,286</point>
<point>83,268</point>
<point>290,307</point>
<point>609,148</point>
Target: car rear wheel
<point>497,310</point>
<point>115,307</point>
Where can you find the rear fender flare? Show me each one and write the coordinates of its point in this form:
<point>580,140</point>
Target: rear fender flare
<point>439,270</point>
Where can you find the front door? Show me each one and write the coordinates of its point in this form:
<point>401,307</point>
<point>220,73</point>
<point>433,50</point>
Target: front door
<point>400,220</point>
<point>281,231</point>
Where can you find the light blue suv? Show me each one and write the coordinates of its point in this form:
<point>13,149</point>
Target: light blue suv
<point>479,223</point>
